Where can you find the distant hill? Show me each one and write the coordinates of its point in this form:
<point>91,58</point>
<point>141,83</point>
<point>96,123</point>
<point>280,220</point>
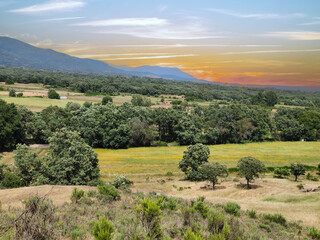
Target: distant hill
<point>15,53</point>
<point>164,72</point>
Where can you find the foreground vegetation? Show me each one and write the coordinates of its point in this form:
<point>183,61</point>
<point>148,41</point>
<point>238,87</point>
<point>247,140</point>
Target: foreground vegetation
<point>107,213</point>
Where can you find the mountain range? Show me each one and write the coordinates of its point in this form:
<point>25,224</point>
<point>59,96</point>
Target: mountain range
<point>15,53</point>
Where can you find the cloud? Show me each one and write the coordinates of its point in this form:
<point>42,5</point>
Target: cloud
<point>50,6</point>
<point>60,19</point>
<point>256,15</point>
<point>316,22</point>
<point>151,57</point>
<point>125,22</point>
<point>150,28</point>
<point>295,35</point>
<point>116,54</point>
<point>272,51</point>
<point>193,45</point>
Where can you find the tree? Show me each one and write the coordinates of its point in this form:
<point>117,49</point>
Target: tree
<point>193,158</point>
<point>106,99</point>
<point>12,93</point>
<point>270,98</point>
<point>138,100</point>
<point>70,160</point>
<point>250,168</point>
<point>296,170</point>
<point>10,126</point>
<point>29,166</point>
<point>52,94</point>
<point>212,171</point>
<point>142,133</point>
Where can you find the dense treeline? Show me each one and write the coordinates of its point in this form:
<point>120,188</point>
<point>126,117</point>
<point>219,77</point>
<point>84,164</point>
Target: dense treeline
<point>110,126</point>
<point>113,85</point>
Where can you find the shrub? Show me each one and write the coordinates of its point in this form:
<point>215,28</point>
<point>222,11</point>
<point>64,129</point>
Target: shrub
<point>266,227</point>
<point>169,174</point>
<point>252,214</point>
<point>9,82</point>
<point>12,93</point>
<point>201,207</point>
<point>187,213</point>
<point>216,221</point>
<point>281,172</point>
<point>276,218</point>
<point>37,220</point>
<point>149,213</point>
<point>314,233</point>
<point>91,193</point>
<point>76,195</point>
<point>109,191</point>
<point>76,234</point>
<point>52,94</point>
<point>102,229</point>
<point>121,181</point>
<point>190,235</point>
<point>19,94</point>
<point>300,186</point>
<point>232,208</point>
<point>11,180</point>
<point>106,99</point>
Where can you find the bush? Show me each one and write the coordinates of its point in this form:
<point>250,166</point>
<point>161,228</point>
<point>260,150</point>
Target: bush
<point>232,208</point>
<point>109,191</point>
<point>252,214</point>
<point>149,213</point>
<point>11,180</point>
<point>281,172</point>
<point>106,99</point>
<point>12,93</point>
<point>52,94</point>
<point>300,186</point>
<point>20,94</point>
<point>190,235</point>
<point>102,229</point>
<point>76,234</point>
<point>91,193</point>
<point>169,174</point>
<point>314,233</point>
<point>276,218</point>
<point>266,227</point>
<point>216,221</point>
<point>201,207</point>
<point>76,195</point>
<point>9,82</point>
<point>121,181</point>
<point>37,220</point>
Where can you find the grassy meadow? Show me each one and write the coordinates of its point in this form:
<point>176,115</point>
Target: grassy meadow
<point>159,160</point>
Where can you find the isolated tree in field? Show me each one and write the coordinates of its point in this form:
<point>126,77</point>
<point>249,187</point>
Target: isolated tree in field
<point>297,169</point>
<point>52,94</point>
<point>70,160</point>
<point>250,168</point>
<point>212,171</point>
<point>106,99</point>
<point>12,93</point>
<point>193,158</point>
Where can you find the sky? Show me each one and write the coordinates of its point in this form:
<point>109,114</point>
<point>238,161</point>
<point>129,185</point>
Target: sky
<point>264,42</point>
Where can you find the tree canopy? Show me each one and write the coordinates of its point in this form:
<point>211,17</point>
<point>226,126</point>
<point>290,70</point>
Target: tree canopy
<point>250,168</point>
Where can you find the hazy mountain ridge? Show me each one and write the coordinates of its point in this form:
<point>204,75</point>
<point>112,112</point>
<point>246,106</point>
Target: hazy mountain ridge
<point>15,53</point>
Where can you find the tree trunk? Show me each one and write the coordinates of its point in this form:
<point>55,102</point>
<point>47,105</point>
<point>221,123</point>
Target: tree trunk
<point>296,178</point>
<point>248,185</point>
<point>213,186</point>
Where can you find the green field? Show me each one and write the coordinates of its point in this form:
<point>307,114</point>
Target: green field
<point>159,160</point>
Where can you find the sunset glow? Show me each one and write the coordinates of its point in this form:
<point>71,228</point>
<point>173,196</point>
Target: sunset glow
<point>267,42</point>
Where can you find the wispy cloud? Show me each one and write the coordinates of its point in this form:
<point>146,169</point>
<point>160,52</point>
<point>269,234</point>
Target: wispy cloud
<point>151,28</point>
<point>60,19</point>
<point>295,35</point>
<point>125,22</point>
<point>272,51</point>
<point>151,57</point>
<point>116,54</point>
<point>255,15</point>
<point>194,45</point>
<point>50,6</point>
<point>315,22</point>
